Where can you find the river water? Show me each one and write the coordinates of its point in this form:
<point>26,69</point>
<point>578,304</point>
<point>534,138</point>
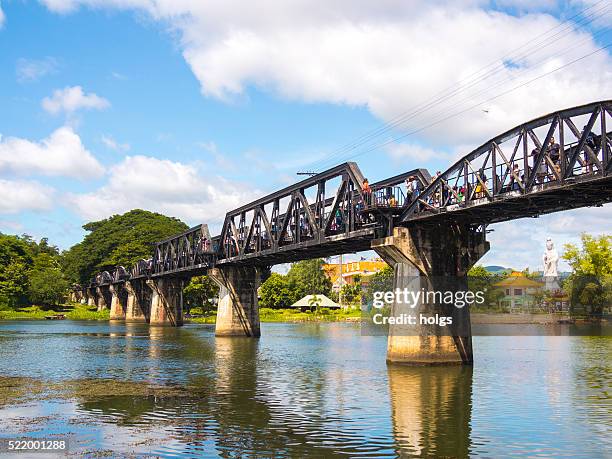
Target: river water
<point>302,390</point>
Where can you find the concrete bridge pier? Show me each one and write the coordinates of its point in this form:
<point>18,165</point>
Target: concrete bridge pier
<point>118,302</point>
<point>166,301</point>
<point>136,303</point>
<point>75,296</point>
<point>103,295</point>
<point>431,259</point>
<point>238,310</point>
<point>90,293</point>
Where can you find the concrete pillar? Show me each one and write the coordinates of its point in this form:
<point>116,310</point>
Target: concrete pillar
<point>104,297</point>
<point>166,301</point>
<point>431,259</point>
<point>238,310</point>
<point>118,302</point>
<point>91,297</point>
<point>136,303</point>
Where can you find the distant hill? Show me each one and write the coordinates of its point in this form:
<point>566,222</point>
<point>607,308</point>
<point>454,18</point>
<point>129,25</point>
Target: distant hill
<point>494,269</point>
<point>497,269</point>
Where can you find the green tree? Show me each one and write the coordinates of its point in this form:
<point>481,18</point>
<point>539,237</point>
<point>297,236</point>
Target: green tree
<point>382,281</point>
<point>593,258</point>
<point>118,240</point>
<point>351,293</point>
<point>200,293</point>
<point>276,292</point>
<point>14,283</point>
<point>14,247</point>
<point>481,280</point>
<point>315,302</point>
<point>43,246</point>
<point>591,278</point>
<point>47,284</point>
<point>307,277</point>
<point>15,261</point>
<point>30,271</point>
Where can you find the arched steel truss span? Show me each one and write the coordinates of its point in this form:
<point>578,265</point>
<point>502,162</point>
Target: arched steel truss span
<point>558,161</point>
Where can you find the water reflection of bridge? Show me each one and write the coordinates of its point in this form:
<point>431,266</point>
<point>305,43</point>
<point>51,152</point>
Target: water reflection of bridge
<point>233,402</point>
<point>556,162</point>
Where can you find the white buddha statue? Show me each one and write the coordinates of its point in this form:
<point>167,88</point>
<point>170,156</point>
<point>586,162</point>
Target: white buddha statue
<point>551,260</point>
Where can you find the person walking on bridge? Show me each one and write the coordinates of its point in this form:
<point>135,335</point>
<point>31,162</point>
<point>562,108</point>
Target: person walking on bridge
<point>540,169</point>
<point>367,192</point>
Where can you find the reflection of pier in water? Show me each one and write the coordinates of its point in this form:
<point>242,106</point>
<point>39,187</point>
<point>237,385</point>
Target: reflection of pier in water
<point>431,410</point>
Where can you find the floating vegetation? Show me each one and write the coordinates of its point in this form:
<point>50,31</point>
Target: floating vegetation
<point>18,390</point>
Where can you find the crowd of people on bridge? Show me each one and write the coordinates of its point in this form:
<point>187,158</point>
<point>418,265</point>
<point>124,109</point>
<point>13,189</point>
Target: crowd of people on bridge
<point>544,164</point>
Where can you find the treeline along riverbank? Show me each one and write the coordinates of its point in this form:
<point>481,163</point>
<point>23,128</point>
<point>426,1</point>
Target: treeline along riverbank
<point>36,276</point>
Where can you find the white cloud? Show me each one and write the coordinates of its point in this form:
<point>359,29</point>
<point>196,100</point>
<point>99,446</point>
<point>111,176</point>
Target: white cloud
<point>528,5</point>
<point>164,186</point>
<point>9,225</point>
<point>114,145</point>
<point>221,160</point>
<point>118,76</point>
<point>34,69</point>
<point>2,17</point>
<point>388,56</point>
<point>414,152</point>
<point>600,9</point>
<point>60,154</point>
<point>71,99</point>
<point>20,195</point>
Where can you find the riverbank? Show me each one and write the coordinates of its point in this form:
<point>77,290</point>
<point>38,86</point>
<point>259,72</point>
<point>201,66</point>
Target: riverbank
<point>84,312</point>
<point>517,318</point>
<point>292,315</point>
<point>70,311</point>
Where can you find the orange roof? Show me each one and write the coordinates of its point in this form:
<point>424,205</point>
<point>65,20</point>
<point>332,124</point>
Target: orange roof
<point>363,268</point>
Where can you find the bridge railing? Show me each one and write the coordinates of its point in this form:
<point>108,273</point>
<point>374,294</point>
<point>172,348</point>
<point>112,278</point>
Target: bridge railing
<point>323,207</point>
<point>189,250</point>
<point>545,153</point>
<point>295,215</point>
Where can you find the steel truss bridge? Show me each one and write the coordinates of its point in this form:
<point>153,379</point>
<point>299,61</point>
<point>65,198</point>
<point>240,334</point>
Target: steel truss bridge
<point>556,162</point>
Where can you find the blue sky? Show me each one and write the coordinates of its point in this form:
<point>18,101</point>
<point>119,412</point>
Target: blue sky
<point>192,108</point>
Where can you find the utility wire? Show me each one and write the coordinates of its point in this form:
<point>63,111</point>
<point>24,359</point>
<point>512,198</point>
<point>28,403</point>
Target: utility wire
<point>462,86</point>
<point>434,123</point>
<point>401,119</point>
<point>434,103</point>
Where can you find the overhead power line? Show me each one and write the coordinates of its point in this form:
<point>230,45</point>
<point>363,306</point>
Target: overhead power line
<point>533,46</point>
<point>422,128</point>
